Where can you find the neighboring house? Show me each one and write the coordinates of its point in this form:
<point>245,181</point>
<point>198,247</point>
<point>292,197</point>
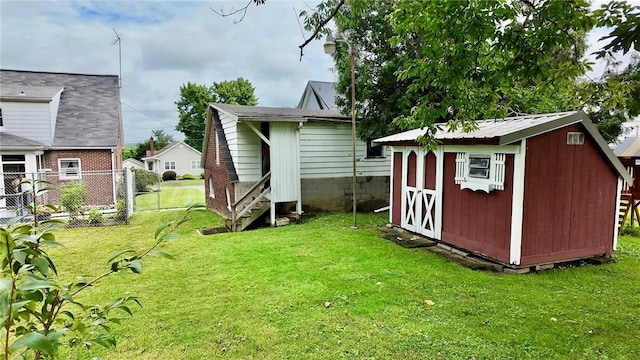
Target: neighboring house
<point>133,164</point>
<point>628,152</point>
<point>285,160</point>
<point>522,191</point>
<point>318,95</point>
<point>63,127</point>
<point>176,156</point>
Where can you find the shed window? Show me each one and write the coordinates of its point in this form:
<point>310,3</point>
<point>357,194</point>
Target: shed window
<point>479,166</point>
<point>484,172</point>
<point>1,117</point>
<point>575,138</point>
<point>69,169</point>
<point>374,151</point>
<point>212,194</point>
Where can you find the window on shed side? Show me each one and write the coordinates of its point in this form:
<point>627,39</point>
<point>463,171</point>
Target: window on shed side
<point>169,165</point>
<point>69,169</point>
<point>479,166</point>
<point>374,151</point>
<point>1,123</point>
<point>575,138</point>
<point>211,192</point>
<point>217,146</point>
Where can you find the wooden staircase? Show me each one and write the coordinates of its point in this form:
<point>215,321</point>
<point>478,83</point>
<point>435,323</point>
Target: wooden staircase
<point>251,206</point>
<point>626,205</point>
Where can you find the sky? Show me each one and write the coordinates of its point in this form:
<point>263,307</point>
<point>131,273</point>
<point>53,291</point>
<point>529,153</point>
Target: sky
<point>166,44</point>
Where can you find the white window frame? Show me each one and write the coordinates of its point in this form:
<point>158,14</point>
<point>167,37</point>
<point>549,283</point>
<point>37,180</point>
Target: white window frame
<point>195,165</point>
<point>167,165</point>
<point>212,193</point>
<point>62,174</point>
<point>496,171</point>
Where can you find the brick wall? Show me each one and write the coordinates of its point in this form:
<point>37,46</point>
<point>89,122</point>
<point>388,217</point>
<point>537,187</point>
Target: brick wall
<point>334,194</point>
<point>93,164</point>
<point>216,170</point>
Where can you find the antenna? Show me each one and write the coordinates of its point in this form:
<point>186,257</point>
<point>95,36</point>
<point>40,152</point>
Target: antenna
<point>118,41</point>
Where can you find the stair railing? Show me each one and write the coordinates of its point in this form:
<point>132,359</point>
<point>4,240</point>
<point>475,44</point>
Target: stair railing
<point>258,192</point>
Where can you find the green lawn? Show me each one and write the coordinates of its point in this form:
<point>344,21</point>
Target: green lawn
<point>261,295</point>
<point>179,183</point>
<point>168,198</point>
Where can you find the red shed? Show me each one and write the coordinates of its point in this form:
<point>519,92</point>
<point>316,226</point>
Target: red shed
<point>522,191</point>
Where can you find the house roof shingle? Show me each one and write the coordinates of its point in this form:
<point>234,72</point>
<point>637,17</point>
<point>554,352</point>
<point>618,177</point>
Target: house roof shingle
<point>89,110</point>
<point>14,142</point>
<point>280,114</point>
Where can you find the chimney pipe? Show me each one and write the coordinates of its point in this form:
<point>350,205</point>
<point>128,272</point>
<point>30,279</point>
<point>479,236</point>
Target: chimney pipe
<point>152,147</point>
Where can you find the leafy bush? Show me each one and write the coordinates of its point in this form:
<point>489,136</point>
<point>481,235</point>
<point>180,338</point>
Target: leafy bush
<point>201,175</point>
<point>121,207</point>
<point>73,197</point>
<point>39,313</point>
<point>144,179</point>
<point>187,177</point>
<point>631,231</point>
<point>169,175</point>
<point>95,216</point>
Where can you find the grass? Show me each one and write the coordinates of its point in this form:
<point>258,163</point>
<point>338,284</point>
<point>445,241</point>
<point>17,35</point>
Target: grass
<point>179,183</point>
<point>169,197</point>
<point>262,294</point>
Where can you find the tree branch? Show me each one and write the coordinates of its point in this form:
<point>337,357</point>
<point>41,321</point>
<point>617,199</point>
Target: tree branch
<point>320,27</point>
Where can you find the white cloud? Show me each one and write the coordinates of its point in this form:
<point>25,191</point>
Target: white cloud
<point>164,45</point>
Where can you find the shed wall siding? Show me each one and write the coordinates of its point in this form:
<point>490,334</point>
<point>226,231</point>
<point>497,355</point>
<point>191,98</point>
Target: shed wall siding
<point>29,120</point>
<point>285,162</point>
<point>247,155</point>
<point>325,152</point>
<point>475,220</point>
<point>569,203</point>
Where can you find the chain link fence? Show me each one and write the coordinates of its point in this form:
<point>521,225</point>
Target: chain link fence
<point>153,194</point>
<point>88,198</point>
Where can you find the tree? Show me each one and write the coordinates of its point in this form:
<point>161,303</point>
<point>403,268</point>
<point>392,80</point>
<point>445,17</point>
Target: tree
<point>139,150</point>
<point>194,100</point>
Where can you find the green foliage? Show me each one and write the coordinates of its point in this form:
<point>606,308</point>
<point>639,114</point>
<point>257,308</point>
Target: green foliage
<point>624,19</point>
<point>187,177</point>
<point>95,216</point>
<point>169,175</point>
<point>139,150</point>
<point>631,231</point>
<point>144,180</point>
<point>73,197</point>
<point>39,313</point>
<point>194,99</point>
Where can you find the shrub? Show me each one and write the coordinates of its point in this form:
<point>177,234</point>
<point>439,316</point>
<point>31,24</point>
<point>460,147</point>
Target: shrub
<point>144,179</point>
<point>631,231</point>
<point>95,216</point>
<point>121,207</point>
<point>187,177</point>
<point>169,175</point>
<point>201,175</point>
<point>74,194</point>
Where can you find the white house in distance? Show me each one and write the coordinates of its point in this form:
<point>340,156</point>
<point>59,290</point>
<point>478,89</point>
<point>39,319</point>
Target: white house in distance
<point>132,164</point>
<point>176,156</point>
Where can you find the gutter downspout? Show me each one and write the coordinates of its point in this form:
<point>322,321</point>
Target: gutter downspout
<point>113,175</point>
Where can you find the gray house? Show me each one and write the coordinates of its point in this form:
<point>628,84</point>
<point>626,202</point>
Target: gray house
<point>61,126</point>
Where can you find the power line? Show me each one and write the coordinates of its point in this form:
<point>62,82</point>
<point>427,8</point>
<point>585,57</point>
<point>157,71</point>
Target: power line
<point>147,115</point>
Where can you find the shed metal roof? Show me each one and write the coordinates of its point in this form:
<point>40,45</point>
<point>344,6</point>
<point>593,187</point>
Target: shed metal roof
<point>89,110</point>
<point>628,148</point>
<point>274,114</point>
<point>512,129</point>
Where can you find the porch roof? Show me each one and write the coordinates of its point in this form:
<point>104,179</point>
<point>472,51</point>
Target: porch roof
<point>14,142</point>
<point>14,92</point>
<point>275,114</point>
<point>629,148</point>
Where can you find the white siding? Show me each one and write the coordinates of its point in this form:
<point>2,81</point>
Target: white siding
<point>29,120</point>
<point>285,162</point>
<point>182,155</point>
<point>325,151</point>
<point>247,157</point>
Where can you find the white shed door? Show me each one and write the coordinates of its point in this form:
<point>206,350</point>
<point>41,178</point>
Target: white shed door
<point>285,162</point>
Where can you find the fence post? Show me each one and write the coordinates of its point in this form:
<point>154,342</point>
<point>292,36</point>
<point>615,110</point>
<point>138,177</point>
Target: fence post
<point>129,195</point>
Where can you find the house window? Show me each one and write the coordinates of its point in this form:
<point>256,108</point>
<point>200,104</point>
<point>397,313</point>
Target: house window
<point>195,164</point>
<point>211,193</point>
<point>374,151</point>
<point>217,149</point>
<point>575,138</point>
<point>479,166</point>
<point>150,166</point>
<point>1,117</point>
<point>226,190</point>
<point>484,172</point>
<point>169,165</point>
<point>69,169</point>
